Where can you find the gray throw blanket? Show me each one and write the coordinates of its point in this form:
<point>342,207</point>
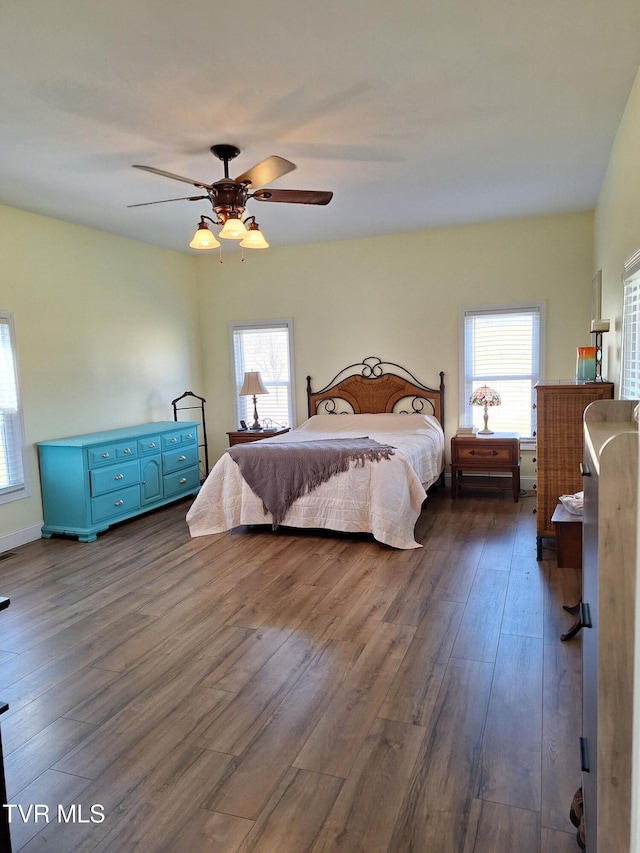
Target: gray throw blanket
<point>280,473</point>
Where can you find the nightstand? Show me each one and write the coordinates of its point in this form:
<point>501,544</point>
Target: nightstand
<point>499,453</point>
<point>243,436</point>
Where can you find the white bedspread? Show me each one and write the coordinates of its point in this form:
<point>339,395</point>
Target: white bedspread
<point>383,498</point>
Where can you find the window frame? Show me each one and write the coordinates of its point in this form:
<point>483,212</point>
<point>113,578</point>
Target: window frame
<point>286,323</point>
<point>629,355</point>
<point>18,490</point>
<point>465,410</point>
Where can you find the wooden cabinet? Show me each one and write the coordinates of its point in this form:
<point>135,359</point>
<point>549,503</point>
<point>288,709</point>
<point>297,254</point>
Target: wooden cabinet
<point>496,453</point>
<point>243,436</point>
<point>559,441</point>
<point>92,481</point>
<point>609,568</point>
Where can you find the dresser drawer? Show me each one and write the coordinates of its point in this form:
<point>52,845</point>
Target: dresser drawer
<point>171,439</point>
<point>184,457</point>
<point>179,437</point>
<point>181,481</point>
<point>111,505</point>
<point>115,477</point>
<point>106,453</point>
<point>149,445</point>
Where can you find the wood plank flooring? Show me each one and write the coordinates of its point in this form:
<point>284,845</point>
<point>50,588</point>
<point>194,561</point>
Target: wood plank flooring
<point>281,693</point>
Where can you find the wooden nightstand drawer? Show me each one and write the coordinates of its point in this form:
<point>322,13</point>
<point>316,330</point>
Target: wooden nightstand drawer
<point>483,451</point>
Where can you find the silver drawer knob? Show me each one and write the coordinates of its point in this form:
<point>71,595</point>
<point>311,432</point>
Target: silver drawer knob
<point>183,480</point>
<point>174,440</point>
<point>118,503</point>
<point>127,450</point>
<point>151,444</point>
<point>189,435</point>
<point>105,455</point>
<point>118,476</point>
<point>181,458</point>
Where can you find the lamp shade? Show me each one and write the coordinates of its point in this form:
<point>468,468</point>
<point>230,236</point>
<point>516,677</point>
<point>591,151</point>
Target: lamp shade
<point>233,228</point>
<point>203,238</point>
<point>252,385</point>
<point>485,396</point>
<point>254,239</point>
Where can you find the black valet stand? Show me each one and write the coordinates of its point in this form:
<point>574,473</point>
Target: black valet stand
<point>5,835</point>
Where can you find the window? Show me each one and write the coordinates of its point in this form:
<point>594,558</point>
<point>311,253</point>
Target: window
<point>630,357</point>
<point>266,347</point>
<point>13,483</point>
<point>502,348</point>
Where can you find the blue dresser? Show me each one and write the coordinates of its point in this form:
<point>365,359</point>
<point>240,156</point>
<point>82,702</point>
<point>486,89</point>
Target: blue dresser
<point>92,481</point>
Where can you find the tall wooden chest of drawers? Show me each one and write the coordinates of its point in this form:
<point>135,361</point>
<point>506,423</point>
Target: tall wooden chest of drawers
<point>559,444</point>
<point>92,481</point>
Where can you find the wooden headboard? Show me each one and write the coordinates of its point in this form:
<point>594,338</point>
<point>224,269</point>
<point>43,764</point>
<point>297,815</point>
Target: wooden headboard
<point>374,387</point>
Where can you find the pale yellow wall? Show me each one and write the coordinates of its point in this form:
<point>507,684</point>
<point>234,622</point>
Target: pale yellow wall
<point>110,330</point>
<point>397,298</point>
<point>617,223</point>
<point>105,329</point>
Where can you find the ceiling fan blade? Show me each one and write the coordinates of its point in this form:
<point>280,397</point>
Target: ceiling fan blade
<point>266,171</point>
<point>294,196</point>
<point>165,200</point>
<point>155,171</point>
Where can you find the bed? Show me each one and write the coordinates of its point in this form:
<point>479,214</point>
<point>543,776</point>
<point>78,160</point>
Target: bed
<point>389,427</point>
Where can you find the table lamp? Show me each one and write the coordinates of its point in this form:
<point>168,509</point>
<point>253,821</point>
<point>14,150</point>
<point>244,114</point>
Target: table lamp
<point>251,387</point>
<point>485,396</point>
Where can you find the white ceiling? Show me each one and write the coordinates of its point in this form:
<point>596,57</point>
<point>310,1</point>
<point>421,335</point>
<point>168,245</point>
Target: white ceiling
<point>417,114</point>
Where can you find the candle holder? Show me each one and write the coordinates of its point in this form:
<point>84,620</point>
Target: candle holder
<point>598,328</point>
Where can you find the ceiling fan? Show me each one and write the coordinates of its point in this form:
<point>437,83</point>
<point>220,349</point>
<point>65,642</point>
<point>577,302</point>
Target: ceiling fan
<point>229,196</point>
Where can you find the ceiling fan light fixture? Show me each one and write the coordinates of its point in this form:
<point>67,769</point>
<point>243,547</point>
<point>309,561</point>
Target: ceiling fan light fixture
<point>203,238</point>
<point>233,228</point>
<point>255,238</point>
<point>228,198</point>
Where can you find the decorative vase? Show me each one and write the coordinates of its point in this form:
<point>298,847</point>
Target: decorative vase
<point>586,364</point>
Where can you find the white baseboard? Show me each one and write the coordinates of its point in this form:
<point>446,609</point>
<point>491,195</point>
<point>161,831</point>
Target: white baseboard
<point>8,541</point>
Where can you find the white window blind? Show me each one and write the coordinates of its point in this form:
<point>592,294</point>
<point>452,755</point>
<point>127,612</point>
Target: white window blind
<point>501,348</point>
<point>267,348</point>
<point>630,356</point>
<point>12,467</point>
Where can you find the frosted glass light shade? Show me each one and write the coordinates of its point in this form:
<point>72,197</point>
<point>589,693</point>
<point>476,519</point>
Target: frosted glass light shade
<point>233,229</point>
<point>203,238</point>
<point>254,239</point>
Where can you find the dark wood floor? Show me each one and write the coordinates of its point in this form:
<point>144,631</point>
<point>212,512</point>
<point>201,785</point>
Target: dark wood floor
<point>280,693</point>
